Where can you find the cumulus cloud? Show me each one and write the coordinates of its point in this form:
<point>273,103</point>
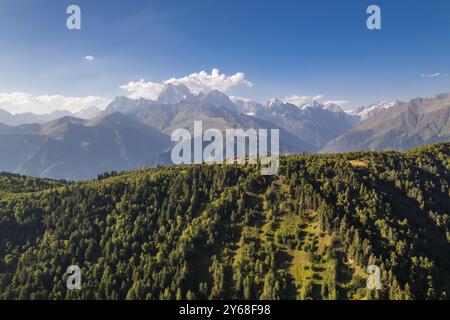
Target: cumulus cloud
<point>20,102</point>
<point>141,89</point>
<point>301,100</point>
<point>199,82</point>
<point>203,82</point>
<point>89,58</point>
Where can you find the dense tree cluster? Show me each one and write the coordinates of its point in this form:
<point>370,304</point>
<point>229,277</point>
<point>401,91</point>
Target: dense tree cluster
<point>226,232</point>
<point>15,183</point>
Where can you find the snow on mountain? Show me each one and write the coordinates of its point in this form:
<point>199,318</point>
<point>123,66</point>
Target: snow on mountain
<point>313,122</point>
<point>397,126</point>
<point>246,106</point>
<point>276,104</point>
<point>218,99</point>
<point>314,104</point>
<point>332,107</point>
<point>175,93</point>
<point>367,112</point>
<point>279,106</point>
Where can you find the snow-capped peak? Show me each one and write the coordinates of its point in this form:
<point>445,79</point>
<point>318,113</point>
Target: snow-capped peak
<point>286,105</point>
<point>313,104</point>
<point>333,107</point>
<point>274,102</point>
<point>246,106</point>
<point>237,99</point>
<point>373,110</point>
<point>218,99</point>
<point>175,93</point>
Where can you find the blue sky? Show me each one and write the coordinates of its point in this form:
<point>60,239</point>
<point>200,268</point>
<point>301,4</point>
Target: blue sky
<point>284,47</point>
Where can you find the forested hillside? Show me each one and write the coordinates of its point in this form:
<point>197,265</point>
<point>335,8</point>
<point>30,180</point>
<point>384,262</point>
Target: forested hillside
<point>226,232</point>
<point>15,183</point>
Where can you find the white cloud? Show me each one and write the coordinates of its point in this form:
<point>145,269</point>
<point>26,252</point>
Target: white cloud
<point>196,82</point>
<point>141,89</point>
<point>431,75</point>
<point>301,100</point>
<point>20,102</point>
<point>339,103</point>
<point>203,82</point>
<point>318,97</point>
<point>89,58</point>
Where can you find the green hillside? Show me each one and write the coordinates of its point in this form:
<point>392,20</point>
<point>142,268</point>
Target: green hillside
<point>15,183</point>
<point>226,232</point>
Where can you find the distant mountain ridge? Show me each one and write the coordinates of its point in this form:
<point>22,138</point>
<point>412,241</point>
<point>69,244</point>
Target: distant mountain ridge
<point>367,112</point>
<point>29,117</point>
<point>131,133</point>
<point>215,114</point>
<point>417,122</point>
<point>74,149</point>
<point>315,123</point>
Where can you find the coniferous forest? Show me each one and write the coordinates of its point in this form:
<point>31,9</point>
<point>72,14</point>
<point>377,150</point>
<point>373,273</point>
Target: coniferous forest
<point>226,232</point>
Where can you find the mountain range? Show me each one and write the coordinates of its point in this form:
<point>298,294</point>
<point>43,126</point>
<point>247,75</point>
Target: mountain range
<point>72,148</point>
<point>400,127</point>
<point>132,133</point>
<point>30,118</point>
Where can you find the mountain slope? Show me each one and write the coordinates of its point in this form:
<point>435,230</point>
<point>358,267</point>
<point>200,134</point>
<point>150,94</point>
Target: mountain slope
<point>13,184</point>
<point>307,127</point>
<point>314,123</point>
<point>88,113</point>
<point>173,94</point>
<point>364,113</point>
<point>226,232</point>
<point>74,149</point>
<point>30,118</point>
<point>417,122</point>
<point>216,111</point>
